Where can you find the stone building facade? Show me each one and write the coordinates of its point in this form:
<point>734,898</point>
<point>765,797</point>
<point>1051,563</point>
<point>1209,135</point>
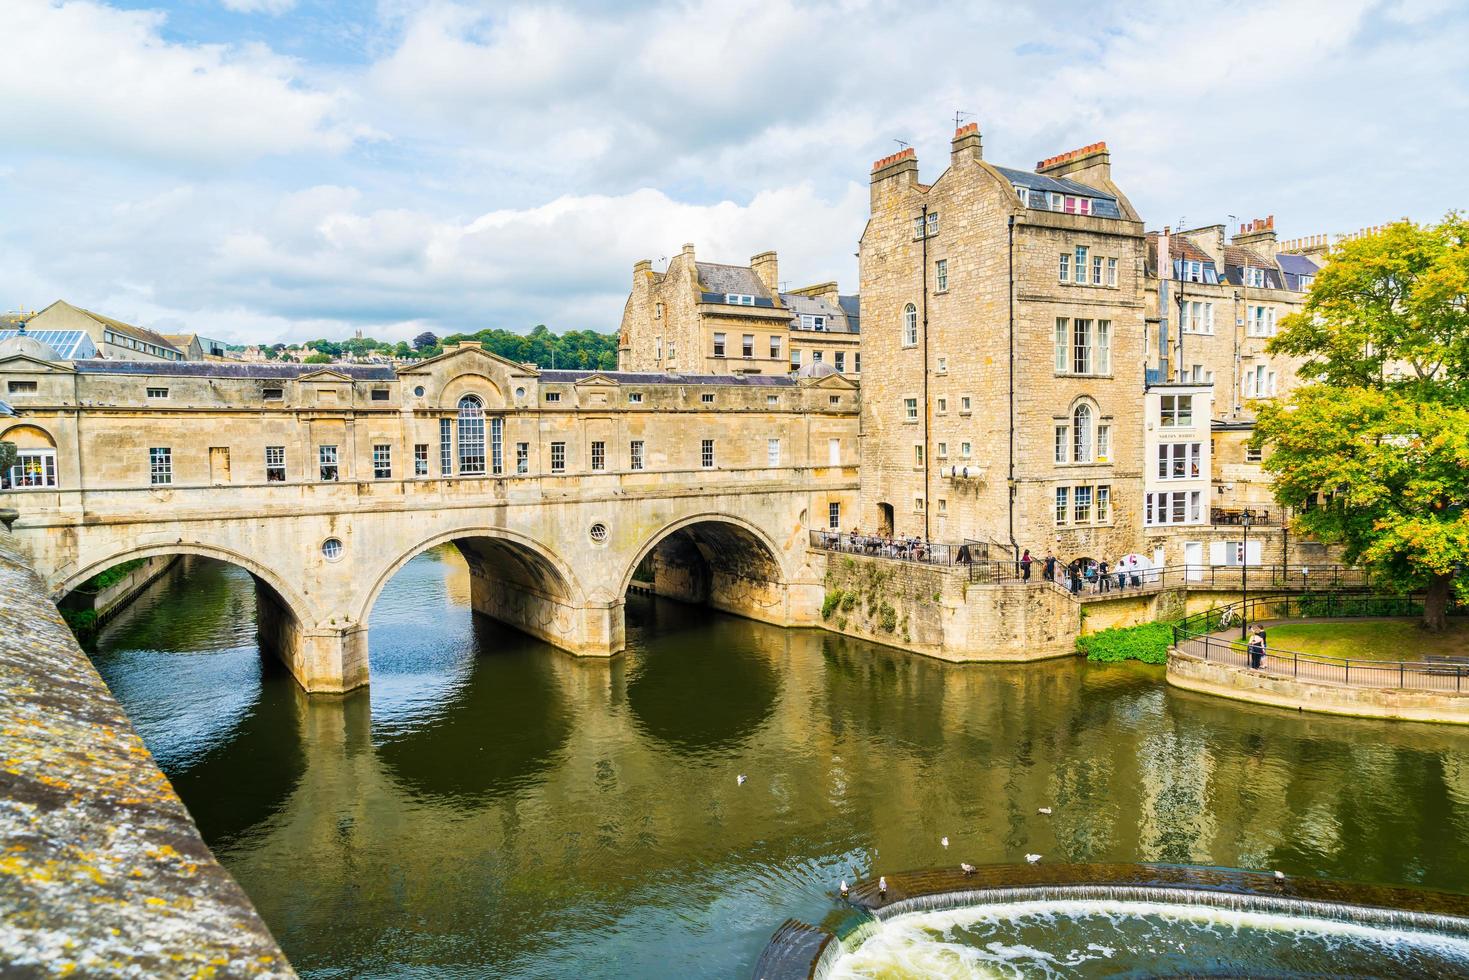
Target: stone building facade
<point>711,318</point>
<point>1006,310</point>
<point>113,338</point>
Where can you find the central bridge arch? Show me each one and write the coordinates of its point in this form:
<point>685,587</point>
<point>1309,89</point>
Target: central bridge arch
<point>517,580</point>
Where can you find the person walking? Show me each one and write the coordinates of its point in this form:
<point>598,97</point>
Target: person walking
<point>1257,649</point>
<point>1074,569</point>
<point>1048,570</point>
<point>1104,584</point>
<point>1025,561</point>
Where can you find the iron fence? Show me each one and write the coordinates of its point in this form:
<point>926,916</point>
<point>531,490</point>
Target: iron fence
<point>1198,636</point>
<point>901,549</point>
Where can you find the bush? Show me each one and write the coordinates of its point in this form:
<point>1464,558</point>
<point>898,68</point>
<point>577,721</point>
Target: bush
<point>830,603</point>
<point>83,623</point>
<point>1148,643</point>
<point>889,620</point>
<point>849,601</point>
<point>113,575</point>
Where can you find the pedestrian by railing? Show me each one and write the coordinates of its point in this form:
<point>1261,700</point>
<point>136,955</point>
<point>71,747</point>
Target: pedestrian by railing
<point>1201,636</point>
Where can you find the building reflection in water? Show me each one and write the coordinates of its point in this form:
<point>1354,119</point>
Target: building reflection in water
<point>493,806</point>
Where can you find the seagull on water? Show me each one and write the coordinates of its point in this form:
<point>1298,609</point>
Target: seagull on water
<point>882,885</point>
<point>1032,858</point>
<point>844,888</point>
<point>944,841</point>
<point>740,779</point>
<point>1279,876</point>
<point>966,867</point>
<point>1045,809</point>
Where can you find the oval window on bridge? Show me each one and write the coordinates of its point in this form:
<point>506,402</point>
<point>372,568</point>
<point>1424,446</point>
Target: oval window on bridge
<point>598,532</point>
<point>332,549</point>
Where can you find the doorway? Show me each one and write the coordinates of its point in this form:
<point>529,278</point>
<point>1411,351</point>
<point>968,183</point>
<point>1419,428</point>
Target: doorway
<point>884,520</point>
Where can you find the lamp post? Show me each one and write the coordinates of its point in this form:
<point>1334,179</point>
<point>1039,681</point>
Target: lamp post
<point>1245,520</point>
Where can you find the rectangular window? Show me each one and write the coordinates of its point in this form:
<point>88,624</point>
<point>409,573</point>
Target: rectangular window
<point>933,223</point>
<point>1081,332</point>
<point>775,348</point>
<point>275,464</point>
<point>943,506</point>
<point>1104,443</point>
<point>943,450</point>
<point>1254,454</point>
<point>942,406</point>
<point>558,457</point>
<point>599,455</point>
<point>839,361</point>
<point>635,454</point>
<point>910,409</point>
<point>379,394</point>
<point>522,458</point>
<point>964,448</point>
<point>326,459</point>
<point>795,359</point>
<point>1080,264</point>
<point>964,405</point>
<point>658,348</point>
<point>1096,270</point>
<point>813,321</point>
<point>1208,318</point>
<point>160,466</point>
<point>446,447</point>
<point>737,299</point>
<point>1065,267</point>
<point>497,445</point>
<point>943,366</point>
<point>918,455</point>
<point>420,459</point>
<point>833,452</point>
<point>19,387</point>
<point>634,397</point>
<point>1083,504</point>
<point>1104,504</point>
<point>157,392</point>
<point>1111,274</point>
<point>772,452</point>
<point>816,357</point>
<point>706,399</point>
<point>272,394</point>
<point>1173,507</point>
<point>1103,358</point>
<point>834,516</point>
<point>857,362</point>
<point>772,399</point>
<point>1062,500</point>
<point>382,461</point>
<point>34,469</point>
<point>917,505</point>
<point>706,454</point>
<point>747,345</point>
<point>941,275</point>
<point>1063,343</point>
<point>1063,438</point>
<point>1176,410</point>
<point>553,396</point>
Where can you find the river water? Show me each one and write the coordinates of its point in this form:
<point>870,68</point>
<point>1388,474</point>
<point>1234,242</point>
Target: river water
<point>492,807</point>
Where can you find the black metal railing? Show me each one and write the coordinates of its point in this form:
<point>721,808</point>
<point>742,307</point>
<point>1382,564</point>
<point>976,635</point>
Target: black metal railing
<point>1200,636</point>
<point>1294,577</point>
<point>902,549</point>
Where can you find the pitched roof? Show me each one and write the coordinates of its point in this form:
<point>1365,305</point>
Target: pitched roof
<point>68,345</point>
<point>1297,265</point>
<point>741,280</point>
<point>233,369</point>
<point>653,378</point>
<point>1105,205</point>
<point>139,333</point>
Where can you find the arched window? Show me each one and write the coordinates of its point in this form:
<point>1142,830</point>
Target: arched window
<point>1081,434</point>
<point>471,436</point>
<point>910,325</point>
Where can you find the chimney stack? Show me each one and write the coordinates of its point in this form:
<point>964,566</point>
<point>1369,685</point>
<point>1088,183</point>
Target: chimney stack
<point>1091,164</point>
<point>767,270</point>
<point>966,144</point>
<point>893,174</point>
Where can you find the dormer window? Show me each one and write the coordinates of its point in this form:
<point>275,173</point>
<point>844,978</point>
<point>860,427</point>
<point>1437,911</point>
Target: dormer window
<point>1055,201</point>
<point>1193,271</point>
<point>1022,193</point>
<point>739,299</point>
<point>1305,283</point>
<point>1254,277</point>
<point>811,321</point>
<point>1078,205</point>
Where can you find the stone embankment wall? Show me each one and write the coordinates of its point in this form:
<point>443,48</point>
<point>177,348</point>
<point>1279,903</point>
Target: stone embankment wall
<point>117,595</point>
<point>936,611</point>
<point>1241,684</point>
<point>102,871</point>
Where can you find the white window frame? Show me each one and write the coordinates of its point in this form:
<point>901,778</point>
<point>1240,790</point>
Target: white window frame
<point>719,345</point>
<point>910,409</point>
<point>635,454</point>
<point>558,457</point>
<point>910,326</point>
<point>382,461</point>
<point>941,275</point>
<point>599,455</point>
<point>1111,271</point>
<point>328,459</point>
<point>834,515</point>
<point>34,469</point>
<point>772,452</point>
<point>706,454</point>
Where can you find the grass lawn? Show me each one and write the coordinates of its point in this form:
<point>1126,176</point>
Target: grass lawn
<point>1372,639</point>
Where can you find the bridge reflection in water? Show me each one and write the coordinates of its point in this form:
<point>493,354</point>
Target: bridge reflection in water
<point>495,807</point>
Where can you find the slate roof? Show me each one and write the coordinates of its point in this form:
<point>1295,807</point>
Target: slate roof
<point>5,410</point>
<point>140,333</point>
<point>654,378</point>
<point>836,317</point>
<point>68,345</point>
<point>1104,205</point>
<point>715,277</point>
<point>852,306</point>
<point>231,369</point>
<point>1236,257</point>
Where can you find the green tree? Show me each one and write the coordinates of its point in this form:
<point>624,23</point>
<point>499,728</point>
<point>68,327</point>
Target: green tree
<point>317,358</point>
<point>1374,453</point>
<point>425,340</point>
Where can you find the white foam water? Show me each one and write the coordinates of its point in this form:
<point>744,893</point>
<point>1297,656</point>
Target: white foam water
<point>1089,937</point>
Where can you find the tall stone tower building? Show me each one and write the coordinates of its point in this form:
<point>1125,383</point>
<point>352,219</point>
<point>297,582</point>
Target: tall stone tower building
<point>1003,319</point>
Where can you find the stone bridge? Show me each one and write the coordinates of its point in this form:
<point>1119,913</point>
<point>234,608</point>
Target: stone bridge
<point>555,486</point>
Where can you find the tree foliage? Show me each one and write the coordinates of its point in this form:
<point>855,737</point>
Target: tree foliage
<point>1374,453</point>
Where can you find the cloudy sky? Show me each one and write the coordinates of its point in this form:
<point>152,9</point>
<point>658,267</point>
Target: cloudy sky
<point>261,170</point>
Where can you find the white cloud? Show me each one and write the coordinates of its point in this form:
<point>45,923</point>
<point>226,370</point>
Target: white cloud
<point>273,7</point>
<point>88,79</point>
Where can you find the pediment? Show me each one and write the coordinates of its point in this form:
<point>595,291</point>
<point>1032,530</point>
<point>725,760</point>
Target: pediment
<point>475,354</point>
<point>836,381</point>
<point>597,380</point>
<point>327,375</point>
<point>26,364</point>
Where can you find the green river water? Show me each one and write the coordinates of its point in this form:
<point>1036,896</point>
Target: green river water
<point>492,807</point>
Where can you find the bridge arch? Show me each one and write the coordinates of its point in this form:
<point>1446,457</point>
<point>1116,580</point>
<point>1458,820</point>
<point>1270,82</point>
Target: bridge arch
<point>290,597</point>
<point>720,560</point>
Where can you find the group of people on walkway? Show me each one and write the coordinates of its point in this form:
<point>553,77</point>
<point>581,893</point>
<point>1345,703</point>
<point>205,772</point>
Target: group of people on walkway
<point>911,548</point>
<point>1082,574</point>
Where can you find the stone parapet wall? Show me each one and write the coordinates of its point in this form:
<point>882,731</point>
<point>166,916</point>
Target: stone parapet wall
<point>102,871</point>
<point>1241,684</point>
